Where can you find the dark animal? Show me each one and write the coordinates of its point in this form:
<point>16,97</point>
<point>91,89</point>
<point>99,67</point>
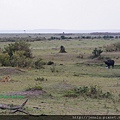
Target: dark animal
<point>110,63</point>
<point>50,63</point>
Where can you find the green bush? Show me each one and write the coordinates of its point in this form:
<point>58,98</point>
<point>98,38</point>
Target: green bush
<point>36,87</point>
<point>97,52</point>
<point>70,94</point>
<point>38,64</point>
<point>82,90</point>
<point>40,79</point>
<point>92,92</point>
<point>18,46</point>
<point>18,59</point>
<point>63,37</point>
<point>5,59</point>
<point>16,54</point>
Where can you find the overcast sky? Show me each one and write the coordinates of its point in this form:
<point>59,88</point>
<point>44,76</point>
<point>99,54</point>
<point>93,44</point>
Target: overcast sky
<point>60,14</point>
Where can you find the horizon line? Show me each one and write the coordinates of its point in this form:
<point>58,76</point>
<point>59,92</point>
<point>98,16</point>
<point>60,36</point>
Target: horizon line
<point>57,31</point>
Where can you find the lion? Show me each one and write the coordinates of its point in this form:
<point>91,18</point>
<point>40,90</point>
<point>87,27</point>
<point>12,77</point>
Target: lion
<point>6,79</point>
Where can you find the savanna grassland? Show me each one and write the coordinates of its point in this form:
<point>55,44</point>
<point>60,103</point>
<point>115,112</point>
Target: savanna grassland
<point>69,71</point>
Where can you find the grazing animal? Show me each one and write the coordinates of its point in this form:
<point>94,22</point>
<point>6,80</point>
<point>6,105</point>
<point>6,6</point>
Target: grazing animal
<point>110,63</point>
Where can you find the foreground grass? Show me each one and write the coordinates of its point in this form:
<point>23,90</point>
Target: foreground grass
<point>70,71</point>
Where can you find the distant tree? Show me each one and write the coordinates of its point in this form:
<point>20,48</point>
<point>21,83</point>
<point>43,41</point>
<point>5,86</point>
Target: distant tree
<point>52,38</point>
<point>63,37</point>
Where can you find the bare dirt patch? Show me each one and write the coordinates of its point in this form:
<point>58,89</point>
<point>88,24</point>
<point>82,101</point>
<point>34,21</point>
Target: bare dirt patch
<point>10,71</point>
<point>27,93</point>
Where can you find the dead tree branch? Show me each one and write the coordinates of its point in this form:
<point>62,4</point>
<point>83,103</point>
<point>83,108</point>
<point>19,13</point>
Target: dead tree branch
<point>16,108</point>
<point>12,107</point>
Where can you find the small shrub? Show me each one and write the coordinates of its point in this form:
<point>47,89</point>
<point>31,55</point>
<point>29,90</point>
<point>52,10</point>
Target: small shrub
<point>36,87</point>
<point>70,94</point>
<point>112,47</point>
<point>85,91</point>
<point>107,95</point>
<point>38,64</point>
<point>81,90</point>
<point>95,92</point>
<point>40,79</point>
<point>97,52</point>
<point>75,74</point>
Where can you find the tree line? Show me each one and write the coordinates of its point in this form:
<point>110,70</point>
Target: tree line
<point>60,37</point>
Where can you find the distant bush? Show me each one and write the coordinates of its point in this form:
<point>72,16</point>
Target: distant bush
<point>71,93</point>
<point>40,79</point>
<point>97,52</point>
<point>92,92</point>
<point>5,59</point>
<point>36,87</point>
<point>112,47</point>
<point>63,37</point>
<point>53,38</point>
<point>38,64</point>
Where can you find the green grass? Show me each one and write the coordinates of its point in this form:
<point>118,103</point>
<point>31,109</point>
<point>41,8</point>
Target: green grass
<point>70,71</point>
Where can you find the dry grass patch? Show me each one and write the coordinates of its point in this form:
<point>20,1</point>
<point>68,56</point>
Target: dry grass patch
<point>11,71</point>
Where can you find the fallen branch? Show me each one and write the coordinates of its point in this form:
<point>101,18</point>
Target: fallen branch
<point>16,108</point>
<point>12,107</point>
<point>20,110</point>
